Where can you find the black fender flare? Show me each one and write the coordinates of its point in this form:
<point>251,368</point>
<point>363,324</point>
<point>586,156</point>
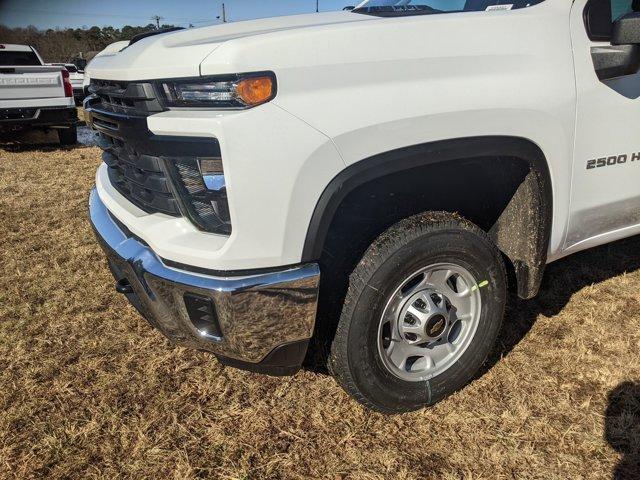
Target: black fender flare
<point>529,273</point>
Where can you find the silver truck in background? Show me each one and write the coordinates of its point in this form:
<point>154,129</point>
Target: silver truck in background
<point>35,96</point>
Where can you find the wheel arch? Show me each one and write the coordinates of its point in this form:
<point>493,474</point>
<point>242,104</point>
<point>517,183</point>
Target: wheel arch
<point>531,204</point>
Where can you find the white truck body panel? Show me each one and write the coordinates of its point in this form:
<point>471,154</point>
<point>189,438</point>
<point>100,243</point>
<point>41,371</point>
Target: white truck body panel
<point>250,178</point>
<point>605,202</point>
<point>377,95</point>
<point>183,51</point>
<point>77,80</point>
<point>352,86</point>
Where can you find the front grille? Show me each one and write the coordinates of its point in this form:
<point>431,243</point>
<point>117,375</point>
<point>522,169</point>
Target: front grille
<point>138,177</point>
<point>133,98</point>
<point>157,173</point>
<point>135,171</point>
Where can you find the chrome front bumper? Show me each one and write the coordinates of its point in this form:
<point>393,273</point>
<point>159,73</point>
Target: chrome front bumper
<point>265,320</point>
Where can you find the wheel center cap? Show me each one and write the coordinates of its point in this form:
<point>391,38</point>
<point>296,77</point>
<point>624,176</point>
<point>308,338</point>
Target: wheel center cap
<point>435,326</point>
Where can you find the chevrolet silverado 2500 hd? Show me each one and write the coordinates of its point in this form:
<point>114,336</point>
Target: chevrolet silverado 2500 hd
<point>34,95</point>
<point>366,179</point>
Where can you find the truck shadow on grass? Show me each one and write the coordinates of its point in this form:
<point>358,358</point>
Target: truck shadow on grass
<point>561,280</point>
<point>622,428</point>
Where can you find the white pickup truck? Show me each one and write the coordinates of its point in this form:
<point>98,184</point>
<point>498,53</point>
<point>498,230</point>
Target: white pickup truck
<point>34,95</point>
<point>365,179</point>
<point>76,77</point>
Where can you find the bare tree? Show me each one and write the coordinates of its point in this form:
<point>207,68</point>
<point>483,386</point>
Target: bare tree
<point>64,45</point>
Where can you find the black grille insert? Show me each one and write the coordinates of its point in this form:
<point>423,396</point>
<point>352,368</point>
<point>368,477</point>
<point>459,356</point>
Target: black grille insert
<point>138,98</point>
<point>140,178</point>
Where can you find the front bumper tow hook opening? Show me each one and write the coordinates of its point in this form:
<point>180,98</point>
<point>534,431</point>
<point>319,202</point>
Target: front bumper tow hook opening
<point>124,287</point>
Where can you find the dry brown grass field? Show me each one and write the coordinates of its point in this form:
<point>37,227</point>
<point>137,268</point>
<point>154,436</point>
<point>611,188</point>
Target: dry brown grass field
<point>89,390</point>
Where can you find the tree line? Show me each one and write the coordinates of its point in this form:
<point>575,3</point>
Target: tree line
<point>66,45</point>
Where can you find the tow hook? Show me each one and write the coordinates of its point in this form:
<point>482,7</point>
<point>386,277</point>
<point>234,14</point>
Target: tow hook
<point>124,287</point>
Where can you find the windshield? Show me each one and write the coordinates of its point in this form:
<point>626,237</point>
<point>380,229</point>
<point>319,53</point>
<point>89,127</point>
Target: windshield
<point>424,7</point>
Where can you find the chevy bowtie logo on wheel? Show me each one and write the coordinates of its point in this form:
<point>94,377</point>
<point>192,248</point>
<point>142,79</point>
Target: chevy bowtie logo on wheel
<point>436,326</point>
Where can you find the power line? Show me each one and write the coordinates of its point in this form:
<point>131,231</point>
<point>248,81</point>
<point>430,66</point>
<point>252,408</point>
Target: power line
<point>204,21</point>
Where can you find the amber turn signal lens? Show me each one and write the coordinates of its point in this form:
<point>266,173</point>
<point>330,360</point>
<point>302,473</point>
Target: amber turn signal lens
<point>256,90</point>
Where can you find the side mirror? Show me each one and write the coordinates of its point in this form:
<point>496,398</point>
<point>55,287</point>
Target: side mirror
<point>626,30</point>
<point>597,20</point>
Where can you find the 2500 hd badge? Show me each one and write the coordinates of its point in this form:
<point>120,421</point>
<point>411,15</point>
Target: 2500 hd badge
<point>612,160</point>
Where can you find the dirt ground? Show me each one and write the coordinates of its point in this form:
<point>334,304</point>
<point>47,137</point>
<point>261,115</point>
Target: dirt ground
<point>89,390</point>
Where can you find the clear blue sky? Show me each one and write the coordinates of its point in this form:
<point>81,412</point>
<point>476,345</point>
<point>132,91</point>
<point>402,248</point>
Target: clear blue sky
<point>78,13</point>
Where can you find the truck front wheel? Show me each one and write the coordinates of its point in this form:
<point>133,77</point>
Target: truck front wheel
<point>422,312</point>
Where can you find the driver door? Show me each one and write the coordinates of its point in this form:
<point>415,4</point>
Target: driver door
<point>605,197</point>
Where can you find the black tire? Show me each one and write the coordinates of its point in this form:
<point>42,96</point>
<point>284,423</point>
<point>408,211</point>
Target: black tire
<point>68,136</point>
<point>413,243</point>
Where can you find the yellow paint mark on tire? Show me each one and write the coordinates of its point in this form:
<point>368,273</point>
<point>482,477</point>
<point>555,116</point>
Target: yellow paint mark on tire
<point>482,284</point>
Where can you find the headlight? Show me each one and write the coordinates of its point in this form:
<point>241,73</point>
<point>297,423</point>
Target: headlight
<point>235,91</point>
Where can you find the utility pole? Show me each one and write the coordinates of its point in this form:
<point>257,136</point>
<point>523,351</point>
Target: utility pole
<point>224,14</point>
<point>157,19</point>
<point>317,6</point>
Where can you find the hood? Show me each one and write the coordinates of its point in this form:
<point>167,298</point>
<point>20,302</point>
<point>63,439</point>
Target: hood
<point>113,48</point>
<point>179,54</point>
